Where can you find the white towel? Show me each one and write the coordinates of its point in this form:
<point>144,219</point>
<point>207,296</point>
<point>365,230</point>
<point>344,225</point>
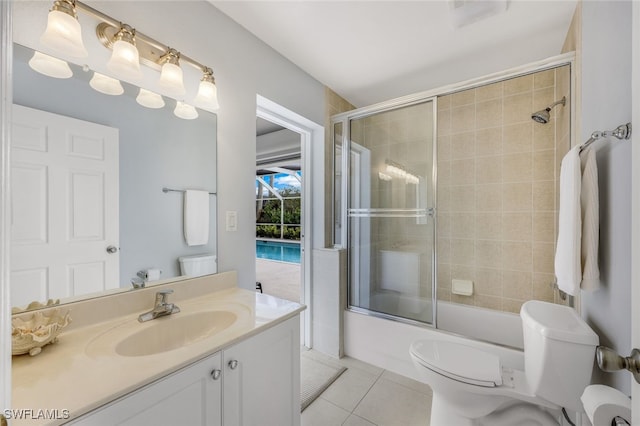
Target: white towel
<point>196,217</point>
<point>567,262</point>
<point>590,221</point>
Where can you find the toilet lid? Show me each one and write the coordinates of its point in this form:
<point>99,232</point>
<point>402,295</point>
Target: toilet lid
<point>459,362</point>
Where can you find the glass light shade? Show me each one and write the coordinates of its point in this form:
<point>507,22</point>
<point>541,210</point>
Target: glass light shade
<point>185,111</point>
<point>207,97</point>
<point>50,66</point>
<point>149,99</point>
<point>125,60</point>
<point>106,85</point>
<point>171,79</point>
<point>64,35</point>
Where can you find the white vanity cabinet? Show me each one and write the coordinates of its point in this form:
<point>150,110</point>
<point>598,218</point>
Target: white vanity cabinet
<point>255,382</point>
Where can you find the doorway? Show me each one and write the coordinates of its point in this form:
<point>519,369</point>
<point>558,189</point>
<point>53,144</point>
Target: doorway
<point>311,138</point>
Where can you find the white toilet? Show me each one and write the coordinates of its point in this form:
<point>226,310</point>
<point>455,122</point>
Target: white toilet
<point>198,265</point>
<point>471,386</point>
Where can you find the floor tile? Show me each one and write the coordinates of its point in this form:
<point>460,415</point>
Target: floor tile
<point>354,420</point>
<point>360,365</point>
<point>391,404</point>
<point>407,382</point>
<point>323,413</point>
<point>349,389</point>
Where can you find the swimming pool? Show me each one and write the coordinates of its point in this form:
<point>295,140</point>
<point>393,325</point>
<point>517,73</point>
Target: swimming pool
<point>276,250</point>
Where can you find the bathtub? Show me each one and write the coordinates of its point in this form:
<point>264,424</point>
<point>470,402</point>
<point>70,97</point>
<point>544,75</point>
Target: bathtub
<point>385,343</point>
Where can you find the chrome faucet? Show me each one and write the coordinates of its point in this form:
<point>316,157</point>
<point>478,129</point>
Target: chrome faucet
<point>161,308</point>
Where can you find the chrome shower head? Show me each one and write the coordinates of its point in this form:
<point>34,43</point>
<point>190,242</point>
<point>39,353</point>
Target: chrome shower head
<point>543,115</point>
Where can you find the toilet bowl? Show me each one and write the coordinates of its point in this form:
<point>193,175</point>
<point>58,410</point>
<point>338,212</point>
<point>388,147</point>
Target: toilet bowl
<point>472,386</point>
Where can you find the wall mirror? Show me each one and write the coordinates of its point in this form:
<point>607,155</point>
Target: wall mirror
<point>155,149</point>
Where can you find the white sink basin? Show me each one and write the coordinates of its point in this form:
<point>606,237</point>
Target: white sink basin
<point>163,334</point>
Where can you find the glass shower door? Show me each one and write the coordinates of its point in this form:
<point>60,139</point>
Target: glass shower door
<point>391,212</point>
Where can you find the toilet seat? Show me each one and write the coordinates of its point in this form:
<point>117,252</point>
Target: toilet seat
<point>459,362</point>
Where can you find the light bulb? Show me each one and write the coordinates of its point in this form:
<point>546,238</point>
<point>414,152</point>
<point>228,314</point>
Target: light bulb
<point>185,111</point>
<point>50,66</point>
<point>171,74</point>
<point>125,59</point>
<point>63,33</point>
<point>149,99</point>
<point>207,96</point>
<point>106,85</point>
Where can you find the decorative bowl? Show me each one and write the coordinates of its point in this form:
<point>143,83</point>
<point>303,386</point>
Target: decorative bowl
<point>42,328</point>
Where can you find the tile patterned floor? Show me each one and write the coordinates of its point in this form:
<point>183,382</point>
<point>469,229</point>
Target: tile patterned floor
<point>366,395</point>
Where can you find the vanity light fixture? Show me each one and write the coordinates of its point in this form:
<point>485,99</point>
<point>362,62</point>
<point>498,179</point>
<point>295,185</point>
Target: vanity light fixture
<point>50,66</point>
<point>149,99</point>
<point>171,73</point>
<point>130,49</point>
<point>207,97</point>
<point>185,111</point>
<point>105,84</point>
<point>125,59</point>
<point>63,33</point>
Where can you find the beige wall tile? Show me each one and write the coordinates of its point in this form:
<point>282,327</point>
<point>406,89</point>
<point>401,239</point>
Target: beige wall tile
<point>489,91</point>
<point>489,226</point>
<point>463,198</point>
<point>489,197</point>
<point>463,172</point>
<point>444,148</point>
<point>465,97</point>
<point>443,198</point>
<point>489,142</point>
<point>544,79</point>
<point>463,300</point>
<point>489,169</point>
<point>543,257</point>
<point>542,98</point>
<point>463,119</point>
<point>489,302</point>
<point>489,114</point>
<point>542,286</point>
<point>517,167</point>
<point>444,102</point>
<point>518,108</point>
<point>511,305</point>
<point>517,226</point>
<point>518,85</point>
<point>517,285</point>
<point>444,174</point>
<point>544,224</point>
<point>544,195</point>
<point>517,255</point>
<point>444,123</point>
<point>488,253</point>
<point>444,276</point>
<point>444,295</point>
<point>463,252</point>
<point>444,224</point>
<point>544,165</point>
<point>517,196</point>
<point>444,250</point>
<point>544,136</point>
<point>517,138</point>
<point>488,282</point>
<point>463,145</point>
<point>463,225</point>
<point>463,272</point>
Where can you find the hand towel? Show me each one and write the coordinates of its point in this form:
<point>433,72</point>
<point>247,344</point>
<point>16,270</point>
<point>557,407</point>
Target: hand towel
<point>590,221</point>
<point>196,217</point>
<point>568,250</point>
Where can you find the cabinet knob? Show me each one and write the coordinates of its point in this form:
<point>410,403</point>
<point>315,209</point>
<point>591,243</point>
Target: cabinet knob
<point>233,364</point>
<point>215,374</point>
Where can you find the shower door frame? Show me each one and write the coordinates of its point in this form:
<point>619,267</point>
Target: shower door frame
<point>565,59</point>
<point>345,119</point>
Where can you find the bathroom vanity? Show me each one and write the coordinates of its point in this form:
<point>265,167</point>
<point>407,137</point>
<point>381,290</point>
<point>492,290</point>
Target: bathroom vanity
<point>176,369</point>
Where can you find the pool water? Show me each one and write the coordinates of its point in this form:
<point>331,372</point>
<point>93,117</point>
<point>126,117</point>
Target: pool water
<point>276,250</point>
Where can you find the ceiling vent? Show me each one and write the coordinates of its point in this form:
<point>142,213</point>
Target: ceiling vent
<point>465,12</point>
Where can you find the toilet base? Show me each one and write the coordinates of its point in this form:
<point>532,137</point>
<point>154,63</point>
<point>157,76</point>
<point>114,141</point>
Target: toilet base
<point>516,414</point>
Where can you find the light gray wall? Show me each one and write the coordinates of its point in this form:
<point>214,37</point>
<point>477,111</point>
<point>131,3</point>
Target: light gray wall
<point>244,67</point>
<point>606,103</point>
<point>156,149</point>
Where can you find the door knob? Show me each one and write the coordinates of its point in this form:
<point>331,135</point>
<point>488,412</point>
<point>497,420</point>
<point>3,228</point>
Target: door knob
<point>609,360</point>
<point>112,249</point>
<point>215,374</point>
<point>233,364</point>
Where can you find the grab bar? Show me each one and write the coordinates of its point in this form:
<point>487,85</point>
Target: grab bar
<point>382,212</point>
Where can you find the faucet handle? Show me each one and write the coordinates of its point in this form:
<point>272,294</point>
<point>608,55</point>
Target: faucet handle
<point>161,296</point>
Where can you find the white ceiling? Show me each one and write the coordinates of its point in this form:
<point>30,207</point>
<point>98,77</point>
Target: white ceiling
<point>371,51</point>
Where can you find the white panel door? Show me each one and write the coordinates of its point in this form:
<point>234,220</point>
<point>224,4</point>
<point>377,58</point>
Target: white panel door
<point>64,206</point>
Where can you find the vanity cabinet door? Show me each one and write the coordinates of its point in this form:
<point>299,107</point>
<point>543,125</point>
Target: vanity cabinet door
<point>261,384</point>
<point>191,396</point>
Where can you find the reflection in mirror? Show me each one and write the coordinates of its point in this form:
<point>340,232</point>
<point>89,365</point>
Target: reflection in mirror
<point>88,211</point>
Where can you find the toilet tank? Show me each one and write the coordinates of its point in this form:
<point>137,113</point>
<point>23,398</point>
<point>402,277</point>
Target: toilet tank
<point>198,265</point>
<point>559,350</point>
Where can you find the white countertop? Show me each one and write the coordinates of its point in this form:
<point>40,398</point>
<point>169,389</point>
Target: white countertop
<point>80,372</point>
